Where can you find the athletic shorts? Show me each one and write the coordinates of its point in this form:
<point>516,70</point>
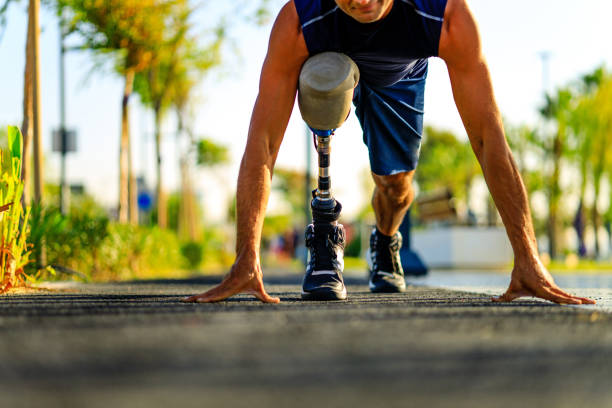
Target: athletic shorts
<point>392,122</point>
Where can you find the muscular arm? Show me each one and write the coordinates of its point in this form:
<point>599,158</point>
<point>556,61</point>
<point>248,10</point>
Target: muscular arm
<point>460,47</point>
<point>277,89</point>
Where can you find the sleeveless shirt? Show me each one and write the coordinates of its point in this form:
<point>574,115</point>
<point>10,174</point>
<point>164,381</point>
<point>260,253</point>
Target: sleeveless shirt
<point>385,51</point>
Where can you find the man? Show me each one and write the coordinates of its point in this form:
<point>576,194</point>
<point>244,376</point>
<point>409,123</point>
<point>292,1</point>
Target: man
<point>390,40</point>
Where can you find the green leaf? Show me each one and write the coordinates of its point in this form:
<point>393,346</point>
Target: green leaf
<point>16,168</point>
<point>51,270</point>
<point>15,148</point>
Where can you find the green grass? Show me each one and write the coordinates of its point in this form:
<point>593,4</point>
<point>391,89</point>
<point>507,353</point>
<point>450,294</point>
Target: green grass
<point>583,266</point>
<point>14,249</point>
<point>355,263</point>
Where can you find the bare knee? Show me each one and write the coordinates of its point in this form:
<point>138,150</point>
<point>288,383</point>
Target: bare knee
<point>395,189</point>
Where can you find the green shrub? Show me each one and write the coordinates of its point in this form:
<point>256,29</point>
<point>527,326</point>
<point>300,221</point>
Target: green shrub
<point>72,242</point>
<point>14,253</point>
<point>193,253</point>
<point>86,244</point>
<point>131,252</point>
<point>353,247</point>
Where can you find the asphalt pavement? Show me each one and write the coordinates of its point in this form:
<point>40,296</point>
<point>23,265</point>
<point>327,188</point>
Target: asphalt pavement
<point>137,345</point>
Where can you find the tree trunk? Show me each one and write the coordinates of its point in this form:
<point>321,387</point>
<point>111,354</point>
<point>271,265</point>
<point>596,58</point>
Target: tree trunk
<point>553,200</point>
<point>162,213</point>
<point>34,23</point>
<point>595,215</point>
<point>188,221</point>
<point>124,147</point>
<point>182,215</point>
<point>598,171</point>
<point>188,215</point>
<point>26,128</point>
<point>34,12</point>
<point>579,221</point>
<point>595,221</point>
<point>133,186</point>
<point>579,226</point>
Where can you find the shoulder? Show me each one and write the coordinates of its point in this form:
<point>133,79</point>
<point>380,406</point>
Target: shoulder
<point>287,47</point>
<point>460,40</point>
<point>288,20</point>
<point>287,31</point>
<point>455,15</point>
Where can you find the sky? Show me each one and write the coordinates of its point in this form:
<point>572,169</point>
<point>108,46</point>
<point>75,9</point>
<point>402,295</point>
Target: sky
<point>514,34</point>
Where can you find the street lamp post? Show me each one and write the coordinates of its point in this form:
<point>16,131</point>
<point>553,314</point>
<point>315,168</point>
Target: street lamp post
<point>64,190</point>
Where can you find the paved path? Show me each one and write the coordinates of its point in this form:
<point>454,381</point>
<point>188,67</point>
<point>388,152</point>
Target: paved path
<point>137,345</point>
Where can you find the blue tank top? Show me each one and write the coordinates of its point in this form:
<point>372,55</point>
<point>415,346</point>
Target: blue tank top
<point>385,51</point>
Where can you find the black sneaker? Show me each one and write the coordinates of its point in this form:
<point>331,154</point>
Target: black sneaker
<point>323,279</point>
<point>386,273</point>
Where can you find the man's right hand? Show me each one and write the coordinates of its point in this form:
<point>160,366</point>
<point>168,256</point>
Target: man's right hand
<point>244,277</point>
<point>287,52</point>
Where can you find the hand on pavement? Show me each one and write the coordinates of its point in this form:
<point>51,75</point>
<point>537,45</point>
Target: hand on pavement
<point>244,277</point>
<point>532,279</point>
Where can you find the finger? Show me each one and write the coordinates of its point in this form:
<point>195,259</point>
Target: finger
<point>583,300</point>
<point>506,297</point>
<point>191,299</point>
<point>557,298</point>
<point>586,301</point>
<point>216,294</point>
<point>260,293</point>
<point>221,293</point>
<point>510,295</point>
<point>264,297</point>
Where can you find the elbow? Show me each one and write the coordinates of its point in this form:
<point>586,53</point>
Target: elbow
<point>259,152</point>
<point>493,152</point>
<point>478,148</point>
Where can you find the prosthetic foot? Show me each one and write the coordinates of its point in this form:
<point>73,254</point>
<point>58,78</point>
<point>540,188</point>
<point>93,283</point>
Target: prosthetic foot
<point>326,88</point>
<point>325,238</point>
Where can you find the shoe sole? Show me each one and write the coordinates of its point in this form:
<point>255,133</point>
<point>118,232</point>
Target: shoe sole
<point>386,288</point>
<point>324,295</point>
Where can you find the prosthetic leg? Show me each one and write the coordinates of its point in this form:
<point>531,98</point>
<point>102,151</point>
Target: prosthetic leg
<point>325,208</point>
<point>326,89</point>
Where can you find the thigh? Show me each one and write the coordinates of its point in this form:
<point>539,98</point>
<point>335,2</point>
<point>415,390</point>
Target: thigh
<point>392,122</point>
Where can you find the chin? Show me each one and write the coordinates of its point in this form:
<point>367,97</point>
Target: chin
<point>367,18</point>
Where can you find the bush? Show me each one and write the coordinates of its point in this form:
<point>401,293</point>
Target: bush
<point>87,245</point>
<point>353,247</point>
<point>72,242</point>
<point>193,253</point>
<point>14,254</point>
<point>131,252</point>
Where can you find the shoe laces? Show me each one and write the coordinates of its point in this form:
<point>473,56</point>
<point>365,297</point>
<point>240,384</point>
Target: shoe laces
<point>384,252</point>
<point>322,243</point>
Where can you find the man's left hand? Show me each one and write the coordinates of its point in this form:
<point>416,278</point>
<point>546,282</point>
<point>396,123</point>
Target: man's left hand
<point>532,279</point>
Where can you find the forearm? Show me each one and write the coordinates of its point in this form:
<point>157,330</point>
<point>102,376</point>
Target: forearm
<point>252,194</point>
<point>508,192</point>
<point>475,100</point>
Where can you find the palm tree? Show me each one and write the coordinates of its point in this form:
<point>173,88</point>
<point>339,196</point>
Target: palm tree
<point>591,142</point>
<point>556,108</point>
<point>601,157</point>
<point>130,31</point>
<point>169,81</point>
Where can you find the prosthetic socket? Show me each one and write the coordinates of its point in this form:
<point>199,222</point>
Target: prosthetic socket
<point>326,86</point>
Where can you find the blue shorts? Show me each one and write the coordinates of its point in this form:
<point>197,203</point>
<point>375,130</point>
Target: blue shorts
<point>392,122</point>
